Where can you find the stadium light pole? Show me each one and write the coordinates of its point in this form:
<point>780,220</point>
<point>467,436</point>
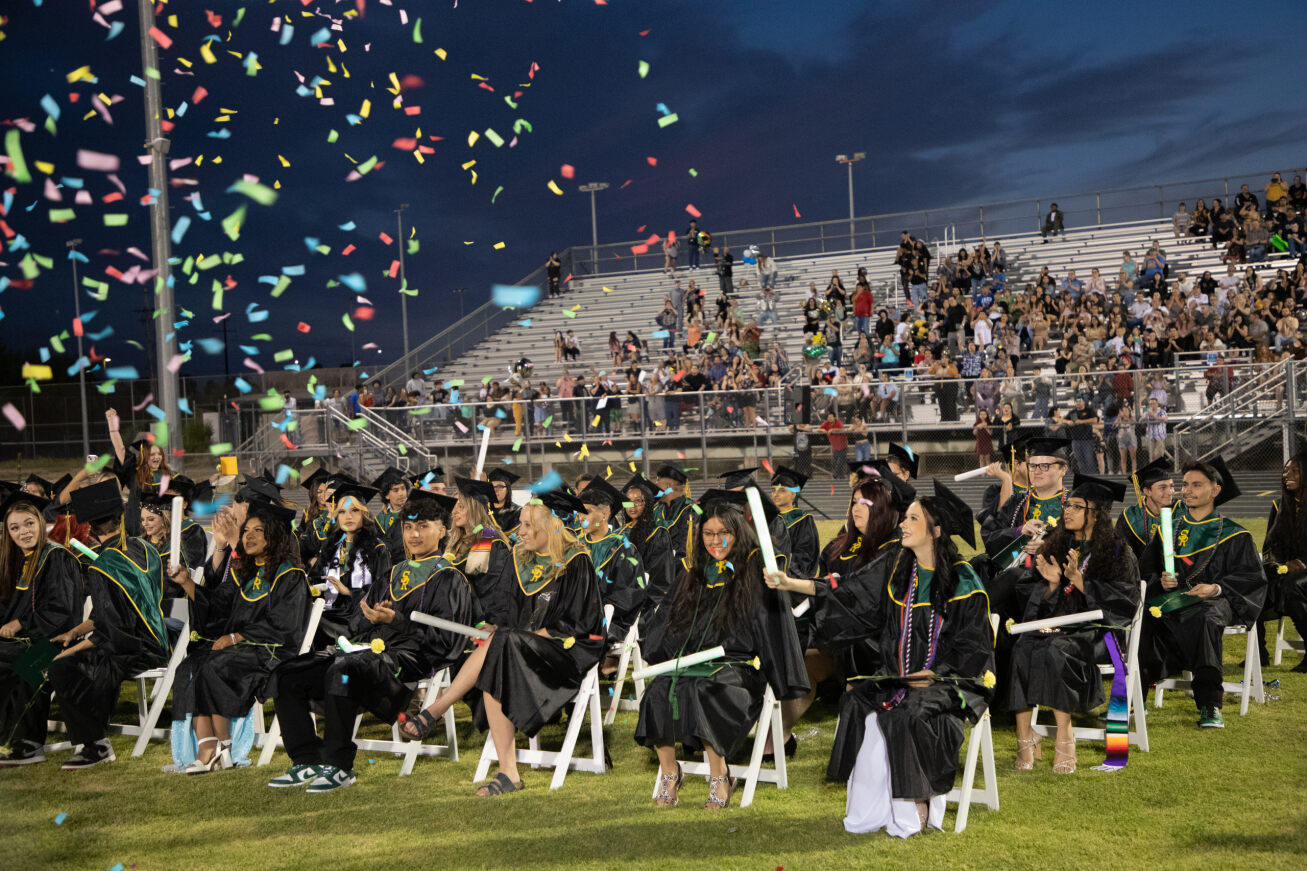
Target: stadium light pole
<point>590,189</point>
<point>458,292</point>
<point>165,330</point>
<point>81,366</point>
<point>849,161</point>
<point>403,280</point>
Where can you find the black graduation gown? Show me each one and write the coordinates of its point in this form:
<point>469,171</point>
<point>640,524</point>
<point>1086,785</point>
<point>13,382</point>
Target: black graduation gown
<point>843,604</point>
<point>313,534</point>
<point>129,637</point>
<point>392,533</point>
<point>655,547</point>
<point>50,605</point>
<point>805,547</point>
<point>125,472</point>
<point>532,676</point>
<point>195,544</point>
<point>622,581</point>
<point>271,619</point>
<point>1287,591</point>
<point>677,517</point>
<point>382,683</point>
<point>923,731</point>
<point>370,549</point>
<point>1059,669</point>
<point>506,518</point>
<point>490,572</point>
<point>714,705</point>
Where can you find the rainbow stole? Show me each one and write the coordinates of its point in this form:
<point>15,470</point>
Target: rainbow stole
<point>1118,711</point>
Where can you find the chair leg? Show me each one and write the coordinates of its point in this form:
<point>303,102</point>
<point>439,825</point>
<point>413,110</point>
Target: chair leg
<point>1279,643</point>
<point>759,744</point>
<point>619,684</point>
<point>968,779</point>
<point>564,759</point>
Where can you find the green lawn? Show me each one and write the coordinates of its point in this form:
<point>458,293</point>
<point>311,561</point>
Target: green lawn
<point>1199,799</point>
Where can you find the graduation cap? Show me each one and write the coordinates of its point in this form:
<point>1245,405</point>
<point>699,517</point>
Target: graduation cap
<point>600,492</point>
<point>17,497</point>
<point>40,482</point>
<point>1158,470</point>
<point>784,476</point>
<point>182,486</point>
<point>58,486</point>
<point>738,478</point>
<point>740,499</point>
<point>1229,489</point>
<point>97,501</point>
<point>639,482</point>
<point>422,478</point>
<point>30,665</point>
<point>272,512</point>
<point>902,494</point>
<point>445,502</point>
<point>1017,448</point>
<point>1094,489</point>
<point>669,471</point>
<point>258,490</point>
<point>362,494</point>
<point>318,477</point>
<point>156,503</point>
<point>202,492</point>
<point>388,479</point>
<point>1048,446</point>
<point>340,479</point>
<point>905,457</point>
<point>955,516</point>
<point>561,503</point>
<point>503,476</point>
<point>482,491</point>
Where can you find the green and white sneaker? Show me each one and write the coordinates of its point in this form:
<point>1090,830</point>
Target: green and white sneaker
<point>296,775</point>
<point>331,778</point>
<point>1210,718</point>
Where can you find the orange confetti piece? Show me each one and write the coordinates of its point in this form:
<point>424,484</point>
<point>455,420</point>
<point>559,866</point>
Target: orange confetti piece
<point>796,211</point>
<point>694,213</point>
<point>567,171</point>
<point>164,40</point>
<point>303,327</point>
<point>349,249</point>
<point>386,240</point>
<point>652,161</point>
<point>639,249</point>
<point>200,93</point>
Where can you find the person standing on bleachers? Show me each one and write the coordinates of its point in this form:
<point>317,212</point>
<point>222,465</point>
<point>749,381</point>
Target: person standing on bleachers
<point>1052,223</point>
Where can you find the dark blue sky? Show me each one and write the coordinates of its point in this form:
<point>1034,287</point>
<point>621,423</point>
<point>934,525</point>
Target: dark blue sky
<point>953,101</point>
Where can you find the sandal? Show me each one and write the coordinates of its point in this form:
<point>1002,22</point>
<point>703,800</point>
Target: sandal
<point>416,728</point>
<point>1064,761</point>
<point>500,784</point>
<point>714,802</point>
<point>664,798</point>
<point>1037,752</point>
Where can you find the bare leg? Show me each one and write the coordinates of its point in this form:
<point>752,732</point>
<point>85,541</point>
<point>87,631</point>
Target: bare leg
<point>504,734</point>
<point>666,758</point>
<point>819,667</point>
<point>203,726</point>
<point>222,727</point>
<point>716,764</point>
<point>458,687</point>
<point>1064,730</point>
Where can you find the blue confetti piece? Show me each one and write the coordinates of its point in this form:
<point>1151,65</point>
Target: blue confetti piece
<point>293,270</point>
<point>372,762</point>
<point>515,296</point>
<point>312,243</point>
<point>321,36</point>
<point>59,820</point>
<point>211,346</point>
<point>51,106</point>
<point>348,225</point>
<point>224,133</point>
<point>184,406</point>
<point>156,412</point>
<point>551,481</point>
<point>122,373</point>
<point>344,678</point>
<point>115,28</point>
<point>287,33</point>
<point>662,107</point>
<point>242,385</point>
<point>354,282</point>
<point>659,334</point>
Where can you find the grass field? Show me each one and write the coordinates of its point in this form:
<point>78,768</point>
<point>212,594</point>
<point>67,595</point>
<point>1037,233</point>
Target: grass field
<point>1215,799</point>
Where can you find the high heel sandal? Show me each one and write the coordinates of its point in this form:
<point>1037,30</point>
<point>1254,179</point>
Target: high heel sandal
<point>1064,761</point>
<point>1036,752</point>
<point>714,802</point>
<point>664,798</point>
<point>215,762</point>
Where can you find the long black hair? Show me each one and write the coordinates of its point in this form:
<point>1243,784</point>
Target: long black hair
<point>282,546</point>
<point>945,554</point>
<point>881,524</point>
<point>1106,546</point>
<point>1287,539</point>
<point>741,593</point>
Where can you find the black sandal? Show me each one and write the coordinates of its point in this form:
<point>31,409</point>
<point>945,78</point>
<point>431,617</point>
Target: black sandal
<point>498,785</point>
<point>422,725</point>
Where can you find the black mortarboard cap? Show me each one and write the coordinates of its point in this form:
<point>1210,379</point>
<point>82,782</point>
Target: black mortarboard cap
<point>256,489</point>
<point>784,476</point>
<point>388,479</point>
<point>563,504</point>
<point>1047,446</point>
<point>954,515</point>
<point>155,502</point>
<point>40,482</point>
<point>202,492</point>
<point>1229,489</point>
<point>639,482</point>
<point>737,478</point>
<point>273,512</point>
<point>320,475</point>
<point>503,476</point>
<point>58,486</point>
<point>1096,489</point>
<point>741,499</point>
<point>600,492</point>
<point>902,494</point>
<point>17,497</point>
<point>482,491</point>
<point>445,502</point>
<point>97,501</point>
<point>1158,470</point>
<point>358,491</point>
<point>905,457</point>
<point>667,470</point>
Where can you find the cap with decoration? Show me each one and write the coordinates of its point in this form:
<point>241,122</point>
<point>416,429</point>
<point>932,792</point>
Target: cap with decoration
<point>97,501</point>
<point>905,457</point>
<point>481,491</point>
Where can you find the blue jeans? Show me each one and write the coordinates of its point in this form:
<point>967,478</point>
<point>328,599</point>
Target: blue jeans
<point>918,294</point>
<point>694,256</point>
<point>862,452</point>
<point>767,317</point>
<point>862,324</point>
<point>674,411</point>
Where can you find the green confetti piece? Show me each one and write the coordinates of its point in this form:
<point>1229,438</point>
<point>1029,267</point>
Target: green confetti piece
<point>667,119</point>
<point>152,73</point>
<point>413,246</point>
<point>240,13</point>
<point>323,249</point>
<point>208,262</point>
<point>487,379</point>
<point>548,420</point>
<point>161,433</point>
<point>270,403</point>
<point>261,337</point>
<point>100,462</point>
<point>694,172</point>
<point>57,345</point>
<point>333,136</point>
<point>643,68</point>
<point>349,324</point>
<point>418,412</point>
<point>520,124</point>
<point>260,193</point>
<point>495,139</point>
<point>43,261</point>
<point>189,265</point>
<point>403,450</point>
<point>517,444</point>
<point>283,356</point>
<point>220,448</point>
<point>29,267</point>
<point>357,423</point>
<point>282,283</point>
<point>60,216</point>
<point>17,165</point>
<point>231,225</point>
<point>711,337</point>
<point>568,313</point>
<point>417,31</point>
<point>457,382</point>
<point>366,166</point>
<point>115,219</point>
<point>497,192</point>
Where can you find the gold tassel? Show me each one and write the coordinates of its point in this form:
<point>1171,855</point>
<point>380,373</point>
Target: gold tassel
<point>1139,494</point>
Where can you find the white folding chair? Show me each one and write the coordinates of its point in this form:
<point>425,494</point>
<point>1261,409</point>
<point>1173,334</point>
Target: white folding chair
<point>1138,717</point>
<point>979,743</point>
<point>272,737</point>
<point>769,723</point>
<point>150,700</point>
<point>630,656</point>
<point>1282,643</point>
<point>1250,687</point>
<point>411,750</point>
<point>585,701</point>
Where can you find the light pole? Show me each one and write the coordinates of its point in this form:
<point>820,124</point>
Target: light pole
<point>403,281</point>
<point>590,189</point>
<point>458,292</point>
<point>81,365</point>
<point>849,161</point>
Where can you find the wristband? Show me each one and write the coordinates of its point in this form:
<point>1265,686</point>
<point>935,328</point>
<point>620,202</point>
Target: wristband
<point>232,636</point>
<point>114,424</point>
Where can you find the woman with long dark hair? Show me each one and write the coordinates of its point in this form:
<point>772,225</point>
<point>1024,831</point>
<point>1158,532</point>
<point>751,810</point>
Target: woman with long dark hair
<point>901,726</point>
<point>315,525</point>
<point>718,600</point>
<point>1285,550</point>
<point>247,618</point>
<point>357,553</point>
<point>1084,565</point>
<point>649,537</point>
<point>140,468</point>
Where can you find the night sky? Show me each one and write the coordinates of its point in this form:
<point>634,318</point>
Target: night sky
<point>954,102</point>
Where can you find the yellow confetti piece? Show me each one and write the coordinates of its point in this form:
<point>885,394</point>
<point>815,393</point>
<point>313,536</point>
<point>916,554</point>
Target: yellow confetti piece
<point>79,74</point>
<point>608,290</point>
<point>206,54</point>
<point>441,53</point>
<point>366,109</point>
<point>472,137</point>
<point>394,82</point>
<point>609,471</point>
<point>331,67</point>
<point>553,186</point>
<point>43,166</point>
<point>499,245</point>
<point>284,161</point>
<point>40,373</point>
<point>469,164</point>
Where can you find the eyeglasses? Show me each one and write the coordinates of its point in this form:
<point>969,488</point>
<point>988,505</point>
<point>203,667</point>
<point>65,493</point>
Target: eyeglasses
<point>1042,467</point>
<point>723,537</point>
<point>1075,506</point>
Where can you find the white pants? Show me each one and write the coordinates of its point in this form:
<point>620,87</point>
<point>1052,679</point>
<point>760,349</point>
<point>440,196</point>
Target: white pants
<point>870,805</point>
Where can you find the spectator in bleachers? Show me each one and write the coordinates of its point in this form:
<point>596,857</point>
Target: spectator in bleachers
<point>984,437</point>
<point>1053,223</point>
<point>1246,198</point>
<point>766,307</point>
<point>724,262</point>
<point>1276,193</point>
<point>571,346</point>
<point>666,321</point>
<point>554,271</point>
<point>862,307</point>
<point>1201,220</point>
<point>766,271</point>
<point>1180,221</point>
<point>1224,226</point>
<point>671,251</point>
<point>693,246</point>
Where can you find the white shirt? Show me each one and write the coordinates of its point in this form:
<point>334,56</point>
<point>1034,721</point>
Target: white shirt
<point>984,335</point>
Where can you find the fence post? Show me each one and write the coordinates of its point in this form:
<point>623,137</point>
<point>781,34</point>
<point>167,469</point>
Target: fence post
<point>703,440</point>
<point>644,431</point>
<point>873,232</point>
<point>1290,406</point>
<point>767,398</point>
<point>1039,211</point>
<point>1098,206</point>
<point>982,221</point>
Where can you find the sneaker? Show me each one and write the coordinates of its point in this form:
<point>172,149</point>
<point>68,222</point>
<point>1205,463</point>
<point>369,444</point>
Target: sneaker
<point>329,778</point>
<point>23,753</point>
<point>296,775</point>
<point>1210,718</point>
<point>90,755</point>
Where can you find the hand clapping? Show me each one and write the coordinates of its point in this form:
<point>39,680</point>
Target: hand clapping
<point>384,611</point>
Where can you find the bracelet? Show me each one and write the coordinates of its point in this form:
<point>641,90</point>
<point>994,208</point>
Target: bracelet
<point>232,636</point>
<point>113,425</point>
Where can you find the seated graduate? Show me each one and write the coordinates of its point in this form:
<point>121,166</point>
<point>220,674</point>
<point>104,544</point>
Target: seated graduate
<point>124,634</point>
<point>550,636</point>
<point>156,531</point>
<point>900,728</point>
<point>673,511</point>
<point>393,488</point>
<point>355,556</point>
<point>875,509</point>
<point>1084,565</point>
<point>904,463</point>
<point>248,617</point>
<point>478,547</point>
<point>1155,491</point>
<point>1285,550</point>
<point>316,522</point>
<point>617,563</point>
<point>1013,479</point>
<point>805,547</point>
<point>742,479</point>
<point>719,600</point>
<point>652,540</point>
<point>1218,582</point>
<point>41,595</point>
<point>394,653</point>
<point>64,525</point>
<point>503,508</point>
<point>195,544</point>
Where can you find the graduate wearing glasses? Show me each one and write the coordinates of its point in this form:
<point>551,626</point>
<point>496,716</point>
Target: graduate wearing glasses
<point>652,540</point>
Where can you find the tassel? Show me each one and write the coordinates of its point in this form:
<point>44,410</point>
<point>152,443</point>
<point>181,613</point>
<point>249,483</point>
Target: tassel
<point>1139,494</point>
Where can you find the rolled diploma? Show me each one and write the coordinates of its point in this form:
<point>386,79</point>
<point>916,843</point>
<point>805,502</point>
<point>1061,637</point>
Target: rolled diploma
<point>760,526</point>
<point>802,608</point>
<point>1168,543</point>
<point>449,625</point>
<point>86,551</point>
<point>974,473</point>
<point>682,662</point>
<point>175,542</point>
<point>485,444</point>
<point>1054,622</point>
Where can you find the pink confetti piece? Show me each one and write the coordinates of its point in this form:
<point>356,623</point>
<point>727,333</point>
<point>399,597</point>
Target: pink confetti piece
<point>567,171</point>
<point>95,160</point>
<point>385,239</point>
<point>252,365</point>
<point>144,402</point>
<point>15,416</point>
<point>694,213</point>
<point>176,362</point>
<point>164,40</point>
<point>458,424</point>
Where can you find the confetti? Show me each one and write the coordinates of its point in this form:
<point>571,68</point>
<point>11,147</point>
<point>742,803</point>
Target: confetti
<point>667,120</point>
